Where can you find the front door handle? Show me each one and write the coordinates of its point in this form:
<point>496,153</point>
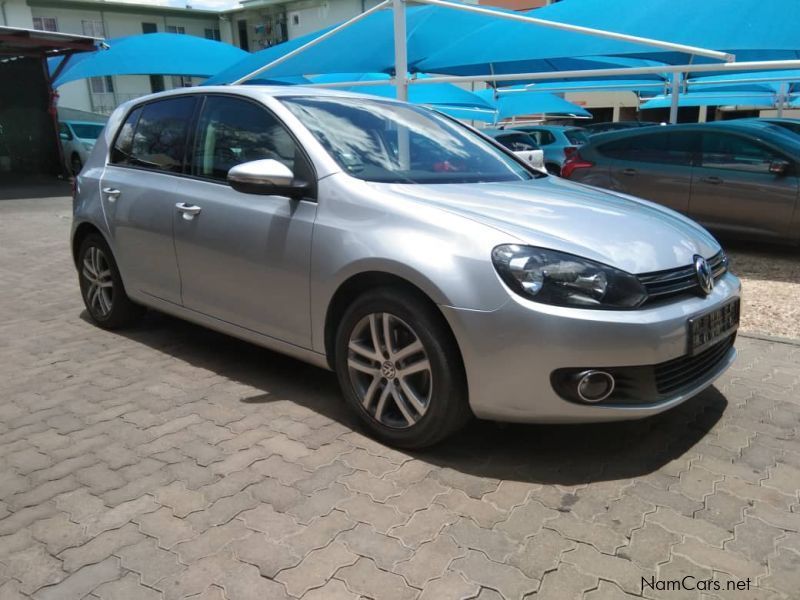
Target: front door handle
<point>111,194</point>
<point>712,180</point>
<point>190,211</point>
<point>629,172</point>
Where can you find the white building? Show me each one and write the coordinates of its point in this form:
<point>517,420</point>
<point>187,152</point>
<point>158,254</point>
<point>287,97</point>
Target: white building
<point>257,24</point>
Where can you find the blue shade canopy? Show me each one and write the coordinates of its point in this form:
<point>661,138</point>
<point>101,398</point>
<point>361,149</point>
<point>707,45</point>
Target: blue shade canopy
<point>514,102</point>
<point>367,47</point>
<point>151,54</point>
<point>433,94</point>
<point>363,47</point>
<point>752,29</point>
<point>762,99</point>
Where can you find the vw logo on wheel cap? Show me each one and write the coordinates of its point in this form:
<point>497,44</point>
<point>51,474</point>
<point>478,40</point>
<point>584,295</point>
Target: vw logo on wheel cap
<point>704,275</point>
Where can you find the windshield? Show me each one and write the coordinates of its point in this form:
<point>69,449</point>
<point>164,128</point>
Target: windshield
<point>576,137</point>
<point>382,141</point>
<point>87,131</point>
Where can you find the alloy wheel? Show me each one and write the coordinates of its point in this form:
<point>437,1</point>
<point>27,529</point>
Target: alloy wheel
<point>390,370</point>
<point>100,285</point>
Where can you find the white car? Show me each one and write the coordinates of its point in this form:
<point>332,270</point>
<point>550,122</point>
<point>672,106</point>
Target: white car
<point>77,140</point>
<point>520,143</point>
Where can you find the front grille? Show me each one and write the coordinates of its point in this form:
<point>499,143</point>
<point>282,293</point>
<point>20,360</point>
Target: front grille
<point>661,285</point>
<point>681,372</point>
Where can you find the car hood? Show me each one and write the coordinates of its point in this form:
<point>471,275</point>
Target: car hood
<point>625,232</point>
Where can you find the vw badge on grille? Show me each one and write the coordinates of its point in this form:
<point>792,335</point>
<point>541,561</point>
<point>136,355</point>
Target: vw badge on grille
<point>704,275</point>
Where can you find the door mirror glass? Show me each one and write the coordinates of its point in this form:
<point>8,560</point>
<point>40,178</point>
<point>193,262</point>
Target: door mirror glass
<point>779,166</point>
<point>267,177</point>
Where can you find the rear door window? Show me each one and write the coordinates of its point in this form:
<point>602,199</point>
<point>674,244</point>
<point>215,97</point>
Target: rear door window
<point>517,142</point>
<point>736,153</point>
<point>159,139</point>
<point>576,137</point>
<point>121,150</point>
<point>675,148</point>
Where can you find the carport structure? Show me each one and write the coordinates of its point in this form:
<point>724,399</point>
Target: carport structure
<point>29,142</point>
<point>563,42</point>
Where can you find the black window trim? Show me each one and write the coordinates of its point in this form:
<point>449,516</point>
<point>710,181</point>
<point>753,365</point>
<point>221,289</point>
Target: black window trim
<point>194,123</point>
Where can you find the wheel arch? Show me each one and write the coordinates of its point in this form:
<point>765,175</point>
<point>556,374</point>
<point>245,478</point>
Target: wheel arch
<point>82,231</point>
<point>358,284</point>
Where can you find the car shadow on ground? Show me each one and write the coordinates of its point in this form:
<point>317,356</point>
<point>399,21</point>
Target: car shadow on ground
<point>548,454</point>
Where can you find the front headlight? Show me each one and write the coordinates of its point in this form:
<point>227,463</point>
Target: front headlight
<point>562,279</point>
<point>87,146</point>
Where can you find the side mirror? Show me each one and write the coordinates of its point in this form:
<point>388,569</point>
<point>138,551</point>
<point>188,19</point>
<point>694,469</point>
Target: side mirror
<point>64,136</point>
<point>779,166</point>
<point>266,177</point>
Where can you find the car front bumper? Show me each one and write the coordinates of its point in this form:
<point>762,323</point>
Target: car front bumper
<point>511,353</point>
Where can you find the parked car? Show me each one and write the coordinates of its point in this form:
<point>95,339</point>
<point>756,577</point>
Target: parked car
<point>520,143</point>
<point>737,177</point>
<point>77,141</point>
<point>594,128</point>
<point>436,274</point>
<point>557,141</point>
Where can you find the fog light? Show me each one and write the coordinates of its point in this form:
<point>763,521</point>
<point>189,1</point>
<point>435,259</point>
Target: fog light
<point>594,386</point>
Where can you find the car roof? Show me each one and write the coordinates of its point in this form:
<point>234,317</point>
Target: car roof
<point>549,127</point>
<point>264,90</point>
<point>765,131</point>
<point>74,122</point>
<point>494,132</point>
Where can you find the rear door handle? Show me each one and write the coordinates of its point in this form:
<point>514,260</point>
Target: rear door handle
<point>189,210</point>
<point>629,172</point>
<point>111,193</point>
<point>712,180</point>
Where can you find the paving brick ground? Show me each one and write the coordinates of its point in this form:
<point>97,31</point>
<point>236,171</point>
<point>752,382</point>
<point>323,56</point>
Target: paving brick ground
<point>172,462</point>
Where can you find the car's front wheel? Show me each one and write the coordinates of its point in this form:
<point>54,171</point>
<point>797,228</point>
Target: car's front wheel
<point>399,368</point>
<point>101,286</point>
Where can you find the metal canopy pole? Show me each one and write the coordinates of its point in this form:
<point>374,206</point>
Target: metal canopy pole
<point>675,91</point>
<point>585,30</point>
<point>400,49</point>
<point>782,97</point>
<point>313,42</point>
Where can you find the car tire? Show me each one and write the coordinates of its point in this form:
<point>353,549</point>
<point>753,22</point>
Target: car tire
<point>101,286</point>
<point>75,164</point>
<point>410,393</point>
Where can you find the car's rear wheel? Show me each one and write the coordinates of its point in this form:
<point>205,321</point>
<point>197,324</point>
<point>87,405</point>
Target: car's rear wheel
<point>75,164</point>
<point>400,369</point>
<point>101,286</point>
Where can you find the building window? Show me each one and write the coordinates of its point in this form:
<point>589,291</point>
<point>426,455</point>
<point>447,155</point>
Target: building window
<point>45,23</point>
<point>181,81</point>
<point>101,85</point>
<point>176,29</point>
<point>95,29</point>
<point>149,28</point>
<point>295,19</point>
<point>212,34</point>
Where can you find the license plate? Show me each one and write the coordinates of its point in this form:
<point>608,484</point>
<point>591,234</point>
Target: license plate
<point>708,329</point>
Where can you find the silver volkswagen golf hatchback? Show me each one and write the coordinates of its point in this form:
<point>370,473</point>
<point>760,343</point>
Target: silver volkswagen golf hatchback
<point>438,275</point>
